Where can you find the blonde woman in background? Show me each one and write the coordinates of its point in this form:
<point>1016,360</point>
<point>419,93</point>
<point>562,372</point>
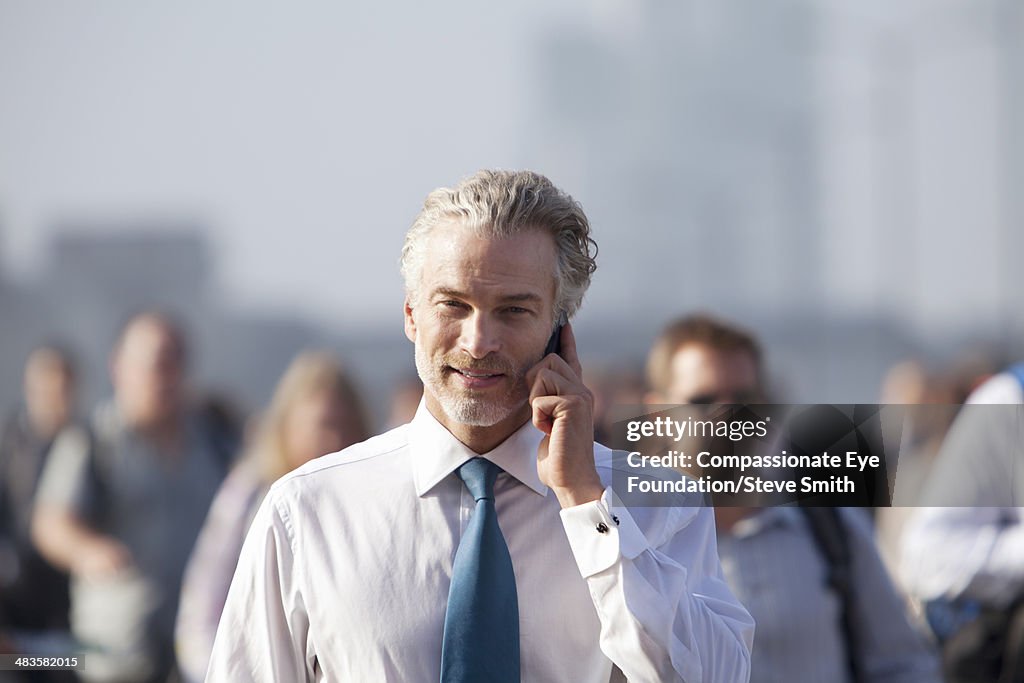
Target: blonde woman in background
<point>315,410</point>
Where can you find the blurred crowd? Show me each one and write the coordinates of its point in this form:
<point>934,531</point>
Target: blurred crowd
<point>120,528</point>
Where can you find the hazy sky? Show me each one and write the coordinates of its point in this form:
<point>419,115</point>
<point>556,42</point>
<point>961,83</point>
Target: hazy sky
<point>304,135</point>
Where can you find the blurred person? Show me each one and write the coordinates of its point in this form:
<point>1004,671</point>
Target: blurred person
<point>906,383</point>
<point>222,414</point>
<point>120,505</point>
<point>613,388</point>
<point>779,560</point>
<point>33,594</point>
<point>963,553</point>
<point>405,399</point>
<point>315,410</point>
<point>970,369</point>
<point>929,398</point>
<point>481,541</point>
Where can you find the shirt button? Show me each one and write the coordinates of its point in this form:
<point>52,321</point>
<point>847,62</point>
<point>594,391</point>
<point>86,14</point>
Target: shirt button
<point>602,528</point>
<point>615,519</point>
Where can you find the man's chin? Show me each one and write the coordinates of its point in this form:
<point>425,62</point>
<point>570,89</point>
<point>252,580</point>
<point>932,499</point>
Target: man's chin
<point>476,417</point>
<point>476,413</point>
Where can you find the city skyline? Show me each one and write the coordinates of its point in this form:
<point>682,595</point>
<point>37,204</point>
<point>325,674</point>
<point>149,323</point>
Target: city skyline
<point>796,164</point>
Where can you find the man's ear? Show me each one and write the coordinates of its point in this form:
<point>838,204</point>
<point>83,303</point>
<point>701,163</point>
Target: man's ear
<point>410,322</point>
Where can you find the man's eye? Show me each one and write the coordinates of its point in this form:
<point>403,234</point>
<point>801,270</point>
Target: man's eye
<point>517,309</point>
<point>452,304</point>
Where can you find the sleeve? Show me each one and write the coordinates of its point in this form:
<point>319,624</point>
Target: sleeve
<point>666,612</point>
<point>67,480</point>
<point>209,572</point>
<point>263,633</point>
<point>969,541</point>
<point>891,649</point>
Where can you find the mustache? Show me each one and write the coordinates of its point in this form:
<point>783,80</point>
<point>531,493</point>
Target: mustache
<point>482,366</point>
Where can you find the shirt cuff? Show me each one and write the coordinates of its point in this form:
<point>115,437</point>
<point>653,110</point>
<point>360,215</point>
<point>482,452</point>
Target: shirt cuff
<point>600,533</point>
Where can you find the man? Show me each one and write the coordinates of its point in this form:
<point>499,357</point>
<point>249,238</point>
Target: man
<point>384,563</point>
<point>771,556</point>
<point>962,553</point>
<point>33,594</point>
<point>120,508</point>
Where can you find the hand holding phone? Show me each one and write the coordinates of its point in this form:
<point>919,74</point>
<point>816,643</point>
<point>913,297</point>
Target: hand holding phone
<point>555,341</point>
<point>563,409</point>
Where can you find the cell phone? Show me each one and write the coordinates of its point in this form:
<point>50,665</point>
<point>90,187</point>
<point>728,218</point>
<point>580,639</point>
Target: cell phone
<point>555,342</point>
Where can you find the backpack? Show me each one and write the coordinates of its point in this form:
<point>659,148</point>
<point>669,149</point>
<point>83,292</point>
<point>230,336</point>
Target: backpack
<point>832,539</point>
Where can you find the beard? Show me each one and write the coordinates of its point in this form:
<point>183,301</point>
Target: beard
<point>463,404</point>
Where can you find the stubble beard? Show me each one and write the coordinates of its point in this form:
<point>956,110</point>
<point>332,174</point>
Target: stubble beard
<point>464,405</point>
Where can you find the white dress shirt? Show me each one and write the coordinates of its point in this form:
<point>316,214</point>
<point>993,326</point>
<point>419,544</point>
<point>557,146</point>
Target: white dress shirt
<point>345,572</point>
<point>969,540</point>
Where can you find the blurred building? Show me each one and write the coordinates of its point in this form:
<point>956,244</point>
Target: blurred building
<point>97,277</point>
<point>844,178</point>
<point>708,110</point>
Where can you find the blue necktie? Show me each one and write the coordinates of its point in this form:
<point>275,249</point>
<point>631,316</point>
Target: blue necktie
<point>481,626</point>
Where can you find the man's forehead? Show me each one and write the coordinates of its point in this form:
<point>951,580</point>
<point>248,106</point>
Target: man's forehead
<point>145,337</point>
<point>695,363</point>
<point>520,265</point>
<point>511,295</point>
<point>521,288</point>
<point>146,331</point>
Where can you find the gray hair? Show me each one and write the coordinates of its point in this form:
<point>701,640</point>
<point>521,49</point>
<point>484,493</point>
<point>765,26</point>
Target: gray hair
<point>499,204</point>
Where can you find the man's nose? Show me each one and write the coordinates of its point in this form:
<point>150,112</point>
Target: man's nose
<point>479,336</point>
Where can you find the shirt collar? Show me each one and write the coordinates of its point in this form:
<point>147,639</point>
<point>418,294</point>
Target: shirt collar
<point>436,453</point>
